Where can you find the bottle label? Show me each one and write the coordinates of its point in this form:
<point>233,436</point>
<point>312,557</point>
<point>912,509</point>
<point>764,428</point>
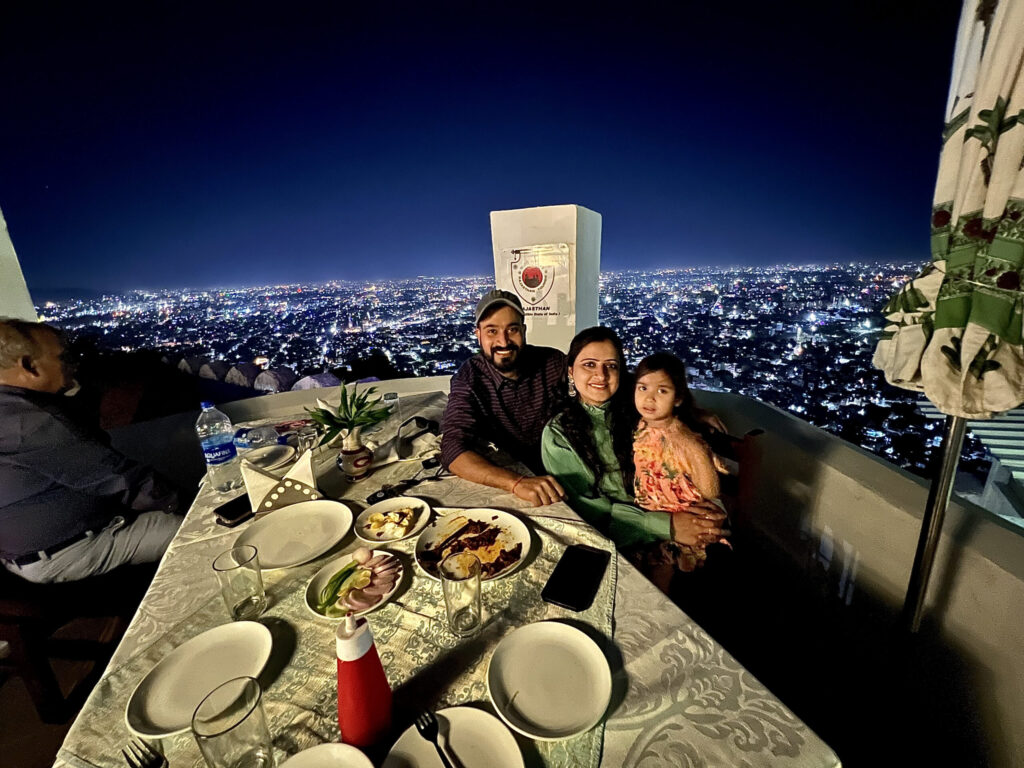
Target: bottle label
<point>219,453</point>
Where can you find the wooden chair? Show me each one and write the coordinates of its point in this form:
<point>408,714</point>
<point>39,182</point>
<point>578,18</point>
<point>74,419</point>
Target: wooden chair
<point>30,615</point>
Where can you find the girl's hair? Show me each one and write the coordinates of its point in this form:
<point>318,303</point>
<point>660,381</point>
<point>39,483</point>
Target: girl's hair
<point>576,422</point>
<point>674,368</point>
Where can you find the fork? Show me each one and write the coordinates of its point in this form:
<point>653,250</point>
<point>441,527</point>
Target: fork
<point>139,754</point>
<point>426,724</point>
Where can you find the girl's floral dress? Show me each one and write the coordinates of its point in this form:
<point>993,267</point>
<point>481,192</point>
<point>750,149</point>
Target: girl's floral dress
<point>662,482</point>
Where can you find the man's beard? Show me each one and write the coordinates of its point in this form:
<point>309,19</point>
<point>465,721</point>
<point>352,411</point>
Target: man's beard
<point>505,364</point>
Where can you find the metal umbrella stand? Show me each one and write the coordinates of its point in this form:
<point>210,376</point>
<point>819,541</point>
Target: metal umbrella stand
<point>955,331</point>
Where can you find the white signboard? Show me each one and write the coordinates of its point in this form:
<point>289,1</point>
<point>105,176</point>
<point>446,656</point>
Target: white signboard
<point>550,258</point>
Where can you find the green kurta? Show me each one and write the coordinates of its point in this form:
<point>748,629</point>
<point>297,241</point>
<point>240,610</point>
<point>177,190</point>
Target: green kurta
<point>610,508</point>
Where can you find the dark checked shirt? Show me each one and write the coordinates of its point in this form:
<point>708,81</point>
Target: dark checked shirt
<point>486,408</point>
<point>58,478</point>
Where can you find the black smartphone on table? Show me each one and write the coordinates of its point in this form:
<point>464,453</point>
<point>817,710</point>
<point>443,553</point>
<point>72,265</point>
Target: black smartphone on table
<point>576,578</point>
<point>234,512</point>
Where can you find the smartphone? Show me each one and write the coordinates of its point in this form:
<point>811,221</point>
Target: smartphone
<point>234,512</point>
<point>576,578</point>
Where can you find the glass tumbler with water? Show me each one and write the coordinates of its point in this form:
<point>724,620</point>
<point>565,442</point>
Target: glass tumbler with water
<point>241,582</point>
<point>230,726</point>
<point>460,582</point>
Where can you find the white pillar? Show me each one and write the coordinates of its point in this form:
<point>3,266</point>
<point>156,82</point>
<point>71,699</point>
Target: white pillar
<point>551,258</point>
<point>14,298</point>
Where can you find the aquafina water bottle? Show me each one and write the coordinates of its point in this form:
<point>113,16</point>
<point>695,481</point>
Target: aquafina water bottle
<point>216,436</point>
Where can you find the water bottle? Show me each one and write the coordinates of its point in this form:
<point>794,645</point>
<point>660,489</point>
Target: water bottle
<point>216,436</point>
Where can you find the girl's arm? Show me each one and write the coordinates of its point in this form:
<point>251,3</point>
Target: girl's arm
<point>699,461</point>
<point>624,523</point>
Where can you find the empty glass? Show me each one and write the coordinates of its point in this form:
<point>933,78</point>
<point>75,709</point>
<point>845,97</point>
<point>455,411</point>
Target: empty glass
<point>241,583</point>
<point>460,582</point>
<point>230,726</point>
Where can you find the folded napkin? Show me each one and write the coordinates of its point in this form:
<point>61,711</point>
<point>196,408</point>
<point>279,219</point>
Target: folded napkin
<point>268,492</point>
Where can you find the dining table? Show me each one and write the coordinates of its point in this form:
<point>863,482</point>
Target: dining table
<point>678,697</point>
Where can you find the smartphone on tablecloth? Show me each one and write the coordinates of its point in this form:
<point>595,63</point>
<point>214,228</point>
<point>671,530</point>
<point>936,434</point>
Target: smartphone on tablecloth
<point>576,578</point>
<point>234,512</point>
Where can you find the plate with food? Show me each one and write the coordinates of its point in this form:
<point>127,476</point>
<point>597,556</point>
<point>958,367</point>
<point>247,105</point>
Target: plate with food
<point>392,519</point>
<point>357,583</point>
<point>501,541</point>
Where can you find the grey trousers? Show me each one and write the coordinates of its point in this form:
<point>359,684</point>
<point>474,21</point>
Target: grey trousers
<point>141,541</point>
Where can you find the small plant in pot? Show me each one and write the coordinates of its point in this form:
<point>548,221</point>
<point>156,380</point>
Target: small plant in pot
<point>355,411</point>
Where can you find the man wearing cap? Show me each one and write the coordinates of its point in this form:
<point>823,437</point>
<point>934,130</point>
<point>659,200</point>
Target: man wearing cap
<point>70,505</point>
<point>500,399</point>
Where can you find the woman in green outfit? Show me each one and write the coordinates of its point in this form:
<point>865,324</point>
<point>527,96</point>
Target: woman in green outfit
<point>588,447</point>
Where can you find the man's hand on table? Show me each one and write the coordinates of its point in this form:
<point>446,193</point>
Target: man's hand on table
<point>539,491</point>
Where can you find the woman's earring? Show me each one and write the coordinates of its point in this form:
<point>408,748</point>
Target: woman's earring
<point>572,388</point>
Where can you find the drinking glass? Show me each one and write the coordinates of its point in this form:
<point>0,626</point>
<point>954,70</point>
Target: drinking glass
<point>460,582</point>
<point>241,583</point>
<point>306,438</point>
<point>230,726</point>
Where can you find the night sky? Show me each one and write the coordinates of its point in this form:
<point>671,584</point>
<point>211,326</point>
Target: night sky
<point>242,144</point>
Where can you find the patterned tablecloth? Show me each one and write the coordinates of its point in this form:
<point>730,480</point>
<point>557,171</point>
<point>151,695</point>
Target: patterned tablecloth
<point>678,698</point>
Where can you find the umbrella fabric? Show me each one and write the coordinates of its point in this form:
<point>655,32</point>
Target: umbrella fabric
<point>955,330</point>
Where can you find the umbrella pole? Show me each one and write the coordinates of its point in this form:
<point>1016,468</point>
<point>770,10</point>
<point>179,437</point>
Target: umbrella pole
<point>931,525</point>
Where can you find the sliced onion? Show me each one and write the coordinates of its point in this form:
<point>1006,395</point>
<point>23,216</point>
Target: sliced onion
<point>360,601</point>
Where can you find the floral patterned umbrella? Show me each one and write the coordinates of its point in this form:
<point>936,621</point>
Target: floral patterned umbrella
<point>954,332</point>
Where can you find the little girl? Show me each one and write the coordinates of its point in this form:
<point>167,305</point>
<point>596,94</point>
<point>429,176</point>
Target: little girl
<point>674,466</point>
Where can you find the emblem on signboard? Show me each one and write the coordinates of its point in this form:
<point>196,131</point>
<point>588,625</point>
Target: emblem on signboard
<point>533,270</point>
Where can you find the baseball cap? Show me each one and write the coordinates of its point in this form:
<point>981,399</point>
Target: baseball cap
<point>496,297</point>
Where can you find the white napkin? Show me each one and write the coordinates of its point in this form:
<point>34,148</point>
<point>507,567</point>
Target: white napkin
<point>268,492</point>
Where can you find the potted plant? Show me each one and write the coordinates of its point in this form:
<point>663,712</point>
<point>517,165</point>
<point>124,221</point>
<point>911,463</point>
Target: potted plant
<point>355,411</point>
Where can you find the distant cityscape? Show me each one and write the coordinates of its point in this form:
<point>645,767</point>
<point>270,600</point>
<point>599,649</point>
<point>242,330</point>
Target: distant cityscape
<point>801,338</point>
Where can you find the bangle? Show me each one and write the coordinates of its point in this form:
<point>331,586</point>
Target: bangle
<point>517,482</point>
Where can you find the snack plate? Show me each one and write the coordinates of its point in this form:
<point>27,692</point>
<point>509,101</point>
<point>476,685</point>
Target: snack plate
<point>513,532</point>
<point>422,517</point>
<point>319,581</point>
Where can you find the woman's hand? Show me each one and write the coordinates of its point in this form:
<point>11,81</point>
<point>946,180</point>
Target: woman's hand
<point>700,524</point>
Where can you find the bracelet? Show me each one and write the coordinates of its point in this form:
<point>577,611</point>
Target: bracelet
<point>517,482</point>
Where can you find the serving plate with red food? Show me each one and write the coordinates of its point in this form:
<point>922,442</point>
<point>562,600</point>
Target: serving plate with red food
<point>357,583</point>
<point>501,541</point>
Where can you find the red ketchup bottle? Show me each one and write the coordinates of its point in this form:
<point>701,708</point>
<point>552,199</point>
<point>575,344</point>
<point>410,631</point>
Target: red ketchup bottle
<point>364,696</point>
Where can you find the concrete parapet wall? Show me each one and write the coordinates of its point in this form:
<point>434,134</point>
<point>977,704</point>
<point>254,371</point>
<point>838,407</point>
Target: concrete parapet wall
<point>853,520</point>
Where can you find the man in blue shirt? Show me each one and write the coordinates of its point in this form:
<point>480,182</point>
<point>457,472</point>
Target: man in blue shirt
<point>70,505</point>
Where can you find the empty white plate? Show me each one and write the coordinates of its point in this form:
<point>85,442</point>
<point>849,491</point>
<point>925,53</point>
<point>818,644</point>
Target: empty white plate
<point>270,456</point>
<point>164,701</point>
<point>328,756</point>
<point>297,534</point>
<point>476,739</point>
<point>549,681</point>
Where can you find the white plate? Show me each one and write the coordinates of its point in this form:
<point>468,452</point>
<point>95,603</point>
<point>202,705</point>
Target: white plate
<point>270,456</point>
<point>421,519</point>
<point>549,681</point>
<point>513,531</point>
<point>328,756</point>
<point>297,534</point>
<point>164,701</point>
<point>319,581</point>
<point>478,740</point>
